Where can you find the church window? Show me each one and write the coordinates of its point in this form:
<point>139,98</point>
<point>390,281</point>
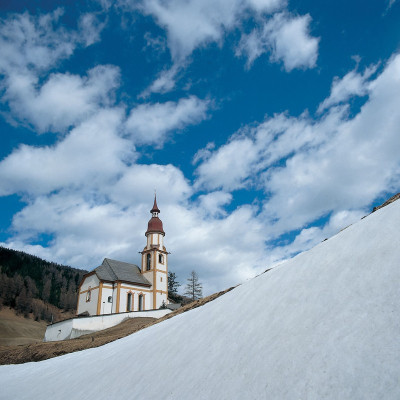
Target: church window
<point>148,262</point>
<point>161,259</point>
<point>129,302</point>
<point>160,278</point>
<point>89,294</point>
<point>141,302</point>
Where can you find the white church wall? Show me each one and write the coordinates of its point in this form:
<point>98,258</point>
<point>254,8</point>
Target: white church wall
<point>161,278</point>
<point>160,299</point>
<point>135,290</point>
<point>84,305</point>
<point>105,305</point>
<point>91,280</point>
<point>76,327</point>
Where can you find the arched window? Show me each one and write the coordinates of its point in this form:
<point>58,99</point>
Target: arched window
<point>160,259</point>
<point>148,262</point>
<point>89,294</point>
<point>141,302</point>
<point>129,302</point>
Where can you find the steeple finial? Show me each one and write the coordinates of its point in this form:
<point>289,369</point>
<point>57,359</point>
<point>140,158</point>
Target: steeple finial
<point>155,208</point>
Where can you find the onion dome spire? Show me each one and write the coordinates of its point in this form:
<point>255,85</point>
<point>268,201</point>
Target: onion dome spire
<point>155,224</point>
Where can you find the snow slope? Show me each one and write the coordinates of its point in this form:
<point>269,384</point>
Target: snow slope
<point>324,325</point>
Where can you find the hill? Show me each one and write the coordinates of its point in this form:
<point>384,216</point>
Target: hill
<point>37,288</point>
<point>323,325</point>
<point>18,330</point>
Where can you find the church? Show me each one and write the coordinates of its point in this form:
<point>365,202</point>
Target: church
<point>116,286</point>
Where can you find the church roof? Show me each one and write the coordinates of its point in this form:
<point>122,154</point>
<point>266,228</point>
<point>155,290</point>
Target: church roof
<point>113,270</point>
<point>155,225</point>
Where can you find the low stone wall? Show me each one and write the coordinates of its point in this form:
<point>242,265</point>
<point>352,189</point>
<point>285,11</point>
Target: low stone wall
<point>75,327</point>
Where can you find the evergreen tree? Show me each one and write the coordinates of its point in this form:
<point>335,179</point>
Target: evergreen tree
<point>173,284</point>
<point>194,288</point>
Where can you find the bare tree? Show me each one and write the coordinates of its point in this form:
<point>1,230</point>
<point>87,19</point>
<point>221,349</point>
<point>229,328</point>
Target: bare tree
<point>194,289</point>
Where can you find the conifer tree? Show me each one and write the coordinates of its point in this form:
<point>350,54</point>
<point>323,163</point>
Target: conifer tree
<point>173,284</point>
<point>194,288</point>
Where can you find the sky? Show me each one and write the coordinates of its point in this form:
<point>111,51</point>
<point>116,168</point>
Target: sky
<point>265,126</point>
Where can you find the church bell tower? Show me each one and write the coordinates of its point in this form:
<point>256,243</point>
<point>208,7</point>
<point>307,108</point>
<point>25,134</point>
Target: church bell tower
<point>155,259</point>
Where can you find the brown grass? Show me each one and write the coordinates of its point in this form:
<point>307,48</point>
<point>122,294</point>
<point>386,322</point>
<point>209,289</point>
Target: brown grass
<point>43,351</point>
<point>16,330</point>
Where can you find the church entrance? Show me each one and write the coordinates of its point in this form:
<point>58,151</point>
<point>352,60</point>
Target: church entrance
<point>140,302</point>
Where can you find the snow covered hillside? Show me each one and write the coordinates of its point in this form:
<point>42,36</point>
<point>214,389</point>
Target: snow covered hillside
<point>324,325</point>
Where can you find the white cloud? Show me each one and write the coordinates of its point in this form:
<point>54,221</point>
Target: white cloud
<point>38,42</point>
<point>352,84</point>
<point>286,38</point>
<point>165,81</point>
<point>90,28</point>
<point>213,203</point>
<point>292,43</point>
<point>33,42</point>
<point>190,24</point>
<point>238,163</point>
<point>150,123</point>
<point>139,181</point>
<point>63,100</point>
<point>31,45</point>
<point>229,167</point>
<point>90,155</point>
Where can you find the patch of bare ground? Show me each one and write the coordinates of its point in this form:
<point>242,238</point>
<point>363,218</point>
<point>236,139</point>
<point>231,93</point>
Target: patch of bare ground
<point>43,351</point>
<point>16,329</point>
<point>387,202</point>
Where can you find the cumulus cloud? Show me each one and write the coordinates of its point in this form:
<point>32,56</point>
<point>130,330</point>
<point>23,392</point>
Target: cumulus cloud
<point>352,84</point>
<point>236,164</point>
<point>213,203</point>
<point>63,100</point>
<point>150,123</point>
<point>38,42</point>
<point>286,38</point>
<point>190,25</point>
<point>165,81</point>
<point>33,42</point>
<point>90,155</point>
<point>140,180</point>
<point>90,28</point>
<point>230,167</point>
<point>31,45</point>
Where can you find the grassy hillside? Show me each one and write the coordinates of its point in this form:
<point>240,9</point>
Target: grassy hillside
<point>18,330</point>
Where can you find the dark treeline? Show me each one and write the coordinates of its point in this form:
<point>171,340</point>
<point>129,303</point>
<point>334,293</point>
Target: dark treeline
<point>32,285</point>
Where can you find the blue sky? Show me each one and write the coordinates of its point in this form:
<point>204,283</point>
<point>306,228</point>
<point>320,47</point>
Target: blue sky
<point>265,126</point>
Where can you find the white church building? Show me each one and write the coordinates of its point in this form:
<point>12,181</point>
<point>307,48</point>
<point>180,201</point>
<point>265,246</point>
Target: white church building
<point>116,286</point>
